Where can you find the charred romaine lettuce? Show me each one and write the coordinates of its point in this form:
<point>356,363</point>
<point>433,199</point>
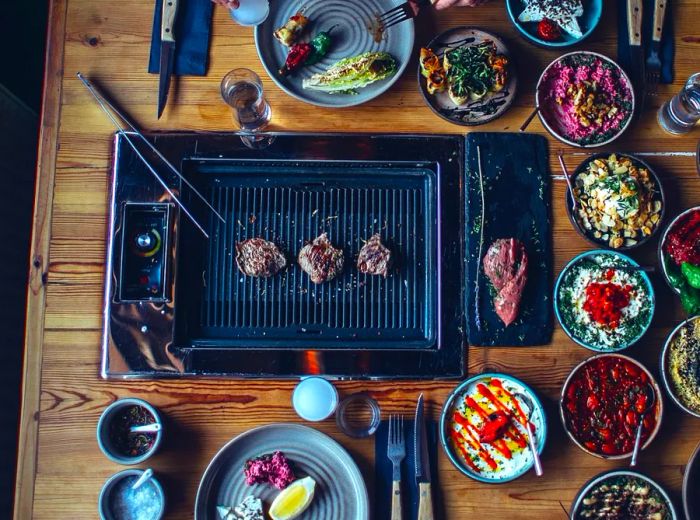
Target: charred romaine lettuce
<point>350,74</point>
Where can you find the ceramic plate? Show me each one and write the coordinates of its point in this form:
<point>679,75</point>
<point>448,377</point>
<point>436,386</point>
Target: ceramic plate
<point>473,113</point>
<point>352,36</point>
<point>451,430</point>
<point>340,488</point>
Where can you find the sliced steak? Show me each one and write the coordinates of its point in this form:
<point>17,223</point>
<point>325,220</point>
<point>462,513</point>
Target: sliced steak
<point>374,257</point>
<point>320,260</point>
<point>505,265</point>
<point>258,257</point>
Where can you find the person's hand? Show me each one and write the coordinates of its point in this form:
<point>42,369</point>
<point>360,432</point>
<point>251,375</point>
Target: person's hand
<point>444,4</point>
<point>231,4</point>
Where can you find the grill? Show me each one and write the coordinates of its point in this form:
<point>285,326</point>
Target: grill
<point>292,203</point>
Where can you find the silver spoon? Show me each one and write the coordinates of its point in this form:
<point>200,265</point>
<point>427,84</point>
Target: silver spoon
<point>640,426</point>
<point>567,177</point>
<point>146,428</point>
<point>530,434</point>
<point>529,119</point>
<point>145,476</point>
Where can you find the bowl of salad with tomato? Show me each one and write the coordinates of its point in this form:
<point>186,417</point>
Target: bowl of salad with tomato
<point>603,301</point>
<point>603,402</point>
<point>679,255</point>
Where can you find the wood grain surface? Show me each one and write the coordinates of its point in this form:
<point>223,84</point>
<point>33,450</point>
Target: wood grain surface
<point>61,469</point>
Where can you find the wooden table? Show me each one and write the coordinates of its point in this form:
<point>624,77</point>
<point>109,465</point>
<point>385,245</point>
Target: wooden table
<point>61,468</point>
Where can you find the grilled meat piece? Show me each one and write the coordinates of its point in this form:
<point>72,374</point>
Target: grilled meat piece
<point>320,260</point>
<point>258,257</point>
<point>505,265</point>
<point>374,257</point>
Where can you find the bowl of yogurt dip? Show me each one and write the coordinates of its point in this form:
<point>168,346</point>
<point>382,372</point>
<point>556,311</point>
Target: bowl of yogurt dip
<point>585,99</point>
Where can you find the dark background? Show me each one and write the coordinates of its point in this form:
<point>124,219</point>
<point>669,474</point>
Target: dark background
<point>22,41</point>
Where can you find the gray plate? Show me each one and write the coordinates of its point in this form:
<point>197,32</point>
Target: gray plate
<point>473,113</point>
<point>340,488</point>
<point>350,38</point>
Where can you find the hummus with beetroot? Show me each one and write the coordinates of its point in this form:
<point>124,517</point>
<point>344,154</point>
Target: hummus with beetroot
<point>587,99</point>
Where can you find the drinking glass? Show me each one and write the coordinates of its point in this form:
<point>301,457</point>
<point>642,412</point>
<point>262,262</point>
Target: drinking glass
<point>680,114</point>
<point>251,12</point>
<point>242,90</point>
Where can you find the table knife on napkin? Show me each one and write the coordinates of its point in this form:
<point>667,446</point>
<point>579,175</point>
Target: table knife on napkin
<point>167,52</point>
<point>634,29</point>
<point>420,445</point>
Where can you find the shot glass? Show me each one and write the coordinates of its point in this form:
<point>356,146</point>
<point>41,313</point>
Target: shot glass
<point>242,90</point>
<point>251,12</point>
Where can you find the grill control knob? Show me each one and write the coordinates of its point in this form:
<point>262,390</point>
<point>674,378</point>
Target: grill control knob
<point>147,243</point>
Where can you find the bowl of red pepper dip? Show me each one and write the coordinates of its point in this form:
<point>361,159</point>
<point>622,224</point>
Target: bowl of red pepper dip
<point>483,427</point>
<point>114,434</point>
<point>602,403</point>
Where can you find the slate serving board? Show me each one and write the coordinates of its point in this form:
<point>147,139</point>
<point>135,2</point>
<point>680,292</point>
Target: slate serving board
<point>517,203</point>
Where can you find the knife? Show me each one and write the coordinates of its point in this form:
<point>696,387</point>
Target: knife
<point>637,59</point>
<point>167,51</point>
<point>420,446</point>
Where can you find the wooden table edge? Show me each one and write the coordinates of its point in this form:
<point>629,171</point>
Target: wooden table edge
<point>28,431</point>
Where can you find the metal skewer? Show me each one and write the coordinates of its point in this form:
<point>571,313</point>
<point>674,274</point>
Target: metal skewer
<point>104,103</point>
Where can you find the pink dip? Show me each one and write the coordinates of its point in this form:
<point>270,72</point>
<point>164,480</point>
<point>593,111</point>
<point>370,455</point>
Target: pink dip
<point>269,469</point>
<point>612,90</point>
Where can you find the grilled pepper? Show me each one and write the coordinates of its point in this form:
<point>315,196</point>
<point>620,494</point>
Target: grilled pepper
<point>691,273</point>
<point>298,55</point>
<point>320,44</point>
<point>290,32</point>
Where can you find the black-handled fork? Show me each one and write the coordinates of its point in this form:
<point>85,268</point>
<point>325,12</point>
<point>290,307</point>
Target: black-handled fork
<point>401,13</point>
<point>653,65</point>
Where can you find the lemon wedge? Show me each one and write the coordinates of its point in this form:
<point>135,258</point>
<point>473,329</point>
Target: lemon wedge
<point>294,500</point>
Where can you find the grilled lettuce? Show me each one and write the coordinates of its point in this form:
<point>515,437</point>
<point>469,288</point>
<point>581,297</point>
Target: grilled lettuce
<point>350,74</point>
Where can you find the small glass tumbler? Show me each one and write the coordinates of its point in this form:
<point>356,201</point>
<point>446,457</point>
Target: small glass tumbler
<point>242,90</point>
<point>681,113</point>
<point>251,12</point>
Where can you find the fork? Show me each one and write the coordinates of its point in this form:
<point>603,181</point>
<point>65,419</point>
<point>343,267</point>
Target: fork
<point>400,13</point>
<point>396,452</point>
<point>653,64</point>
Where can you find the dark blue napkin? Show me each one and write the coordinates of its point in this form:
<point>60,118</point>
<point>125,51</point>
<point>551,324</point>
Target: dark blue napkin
<point>409,488</point>
<point>666,50</point>
<point>192,30</point>
<point>517,203</point>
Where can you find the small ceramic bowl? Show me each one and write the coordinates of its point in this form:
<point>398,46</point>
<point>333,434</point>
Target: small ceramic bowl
<point>691,482</point>
<point>592,12</point>
<point>563,414</point>
<point>607,475</point>
<point>457,396</point>
<point>550,112</point>
<point>559,312</point>
<point>107,502</point>
<point>658,195</point>
<point>106,444</point>
<point>662,244</point>
<point>665,370</point>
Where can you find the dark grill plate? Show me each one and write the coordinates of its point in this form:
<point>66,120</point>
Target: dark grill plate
<point>290,203</point>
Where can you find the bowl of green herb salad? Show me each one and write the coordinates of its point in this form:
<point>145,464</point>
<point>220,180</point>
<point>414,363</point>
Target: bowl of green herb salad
<point>603,301</point>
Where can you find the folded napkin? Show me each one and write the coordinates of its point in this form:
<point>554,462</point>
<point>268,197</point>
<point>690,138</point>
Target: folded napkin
<point>192,30</point>
<point>409,487</point>
<point>517,205</point>
<point>666,50</point>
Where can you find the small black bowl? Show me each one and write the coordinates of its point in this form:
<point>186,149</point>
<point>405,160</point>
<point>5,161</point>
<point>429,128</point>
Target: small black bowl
<point>660,195</point>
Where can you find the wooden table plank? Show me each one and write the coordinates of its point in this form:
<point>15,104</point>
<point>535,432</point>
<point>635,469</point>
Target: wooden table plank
<point>60,467</point>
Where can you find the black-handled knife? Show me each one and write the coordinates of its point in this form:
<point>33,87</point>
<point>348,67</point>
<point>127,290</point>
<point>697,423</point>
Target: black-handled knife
<point>167,51</point>
<point>420,440</point>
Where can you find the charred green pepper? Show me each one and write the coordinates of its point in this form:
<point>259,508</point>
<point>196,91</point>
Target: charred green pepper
<point>690,299</point>
<point>691,273</point>
<point>320,45</point>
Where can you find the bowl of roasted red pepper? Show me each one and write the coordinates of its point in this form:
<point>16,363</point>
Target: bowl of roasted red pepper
<point>679,255</point>
<point>605,399</point>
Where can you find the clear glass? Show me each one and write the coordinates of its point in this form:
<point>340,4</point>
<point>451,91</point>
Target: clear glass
<point>251,12</point>
<point>358,415</point>
<point>242,90</point>
<point>682,112</point>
